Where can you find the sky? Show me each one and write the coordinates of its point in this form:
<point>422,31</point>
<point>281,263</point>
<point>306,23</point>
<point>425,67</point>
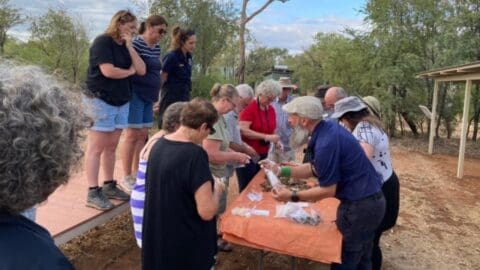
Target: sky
<point>289,25</point>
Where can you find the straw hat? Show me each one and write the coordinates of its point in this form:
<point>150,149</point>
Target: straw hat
<point>285,82</point>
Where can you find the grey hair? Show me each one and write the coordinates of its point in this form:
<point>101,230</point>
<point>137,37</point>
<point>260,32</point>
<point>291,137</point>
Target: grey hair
<point>40,125</point>
<point>268,87</point>
<point>244,90</point>
<point>171,116</point>
<point>340,93</point>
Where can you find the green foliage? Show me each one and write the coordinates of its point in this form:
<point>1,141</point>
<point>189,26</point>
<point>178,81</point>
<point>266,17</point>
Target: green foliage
<point>202,84</point>
<point>9,17</point>
<point>261,60</point>
<point>63,39</point>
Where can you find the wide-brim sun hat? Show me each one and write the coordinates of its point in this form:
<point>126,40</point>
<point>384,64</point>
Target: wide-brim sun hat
<point>306,106</point>
<point>285,82</point>
<point>373,105</point>
<point>348,104</point>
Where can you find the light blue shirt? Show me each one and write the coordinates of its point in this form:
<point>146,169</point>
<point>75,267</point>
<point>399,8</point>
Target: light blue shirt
<point>284,130</point>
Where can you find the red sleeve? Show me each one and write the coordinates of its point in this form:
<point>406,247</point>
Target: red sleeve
<point>248,114</point>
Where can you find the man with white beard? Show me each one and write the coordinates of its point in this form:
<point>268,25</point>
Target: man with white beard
<point>343,171</point>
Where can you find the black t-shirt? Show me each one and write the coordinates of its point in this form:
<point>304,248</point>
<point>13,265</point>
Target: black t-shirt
<point>105,50</point>
<point>174,235</point>
<point>26,245</point>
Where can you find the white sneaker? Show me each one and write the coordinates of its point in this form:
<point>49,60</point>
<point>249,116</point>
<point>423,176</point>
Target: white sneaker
<point>129,182</point>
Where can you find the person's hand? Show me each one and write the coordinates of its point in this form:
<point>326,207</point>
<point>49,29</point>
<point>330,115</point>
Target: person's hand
<point>127,37</point>
<point>156,107</point>
<point>131,70</point>
<point>281,193</point>
<point>279,146</point>
<point>291,163</point>
<point>251,152</point>
<point>218,186</point>
<point>269,165</point>
<point>241,158</point>
<point>274,138</point>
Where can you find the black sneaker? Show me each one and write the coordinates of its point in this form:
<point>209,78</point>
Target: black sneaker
<point>96,199</point>
<point>111,191</point>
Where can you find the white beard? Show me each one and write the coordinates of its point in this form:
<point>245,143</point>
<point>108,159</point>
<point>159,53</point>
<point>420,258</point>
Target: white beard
<point>299,137</point>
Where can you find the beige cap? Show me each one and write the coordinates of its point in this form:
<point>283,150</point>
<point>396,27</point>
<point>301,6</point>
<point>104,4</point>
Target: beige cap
<point>306,106</point>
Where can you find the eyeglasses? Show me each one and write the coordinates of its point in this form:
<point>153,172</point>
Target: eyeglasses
<point>212,130</point>
<point>162,31</point>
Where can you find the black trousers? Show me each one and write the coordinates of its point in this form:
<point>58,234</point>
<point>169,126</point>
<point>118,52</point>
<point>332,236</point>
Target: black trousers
<point>358,221</point>
<point>246,174</point>
<point>391,191</point>
<point>169,95</point>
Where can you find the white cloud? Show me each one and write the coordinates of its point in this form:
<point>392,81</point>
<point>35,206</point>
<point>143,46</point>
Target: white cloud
<point>298,35</point>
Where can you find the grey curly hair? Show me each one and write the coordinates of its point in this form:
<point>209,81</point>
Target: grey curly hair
<point>40,125</point>
<point>268,87</point>
<point>171,117</point>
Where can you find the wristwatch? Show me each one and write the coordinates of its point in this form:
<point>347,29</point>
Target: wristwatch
<point>294,197</point>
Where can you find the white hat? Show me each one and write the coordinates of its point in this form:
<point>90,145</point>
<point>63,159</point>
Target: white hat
<point>348,104</point>
<point>306,106</point>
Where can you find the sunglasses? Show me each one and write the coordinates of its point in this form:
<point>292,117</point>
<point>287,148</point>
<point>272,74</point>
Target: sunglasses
<point>162,31</point>
<point>212,130</point>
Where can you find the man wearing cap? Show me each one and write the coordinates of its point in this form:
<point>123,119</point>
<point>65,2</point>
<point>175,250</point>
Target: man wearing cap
<point>282,152</point>
<point>343,171</point>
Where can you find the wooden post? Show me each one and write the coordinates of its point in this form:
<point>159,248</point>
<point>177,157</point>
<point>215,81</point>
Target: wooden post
<point>433,122</point>
<point>463,138</point>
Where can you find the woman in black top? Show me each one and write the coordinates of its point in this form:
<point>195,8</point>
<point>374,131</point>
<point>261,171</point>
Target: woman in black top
<point>182,198</point>
<point>177,69</point>
<point>112,62</point>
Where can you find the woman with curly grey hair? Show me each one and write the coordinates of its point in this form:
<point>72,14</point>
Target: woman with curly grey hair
<point>257,126</point>
<point>40,142</point>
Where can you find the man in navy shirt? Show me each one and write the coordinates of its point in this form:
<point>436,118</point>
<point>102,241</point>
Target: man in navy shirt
<point>343,171</point>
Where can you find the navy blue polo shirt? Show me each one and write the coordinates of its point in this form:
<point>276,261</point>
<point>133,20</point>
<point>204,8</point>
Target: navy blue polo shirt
<point>26,245</point>
<point>339,159</point>
<point>147,86</point>
<point>179,69</point>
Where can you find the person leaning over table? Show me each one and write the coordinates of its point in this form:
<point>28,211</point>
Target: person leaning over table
<point>344,172</point>
<point>257,126</point>
<point>224,99</point>
<point>361,117</point>
<point>41,127</point>
<point>182,197</point>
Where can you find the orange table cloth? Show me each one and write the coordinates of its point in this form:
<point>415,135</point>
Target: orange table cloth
<point>321,243</point>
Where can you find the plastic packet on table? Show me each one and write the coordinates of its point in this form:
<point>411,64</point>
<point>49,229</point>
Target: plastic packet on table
<point>255,196</point>
<point>272,178</point>
<point>299,213</point>
<point>247,212</point>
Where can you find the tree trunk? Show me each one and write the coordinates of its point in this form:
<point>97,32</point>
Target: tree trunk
<point>440,110</point>
<point>240,74</point>
<point>411,124</point>
<point>3,37</point>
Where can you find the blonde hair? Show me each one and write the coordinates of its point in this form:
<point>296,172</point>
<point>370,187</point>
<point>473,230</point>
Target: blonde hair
<point>223,91</point>
<point>121,17</point>
<point>179,37</point>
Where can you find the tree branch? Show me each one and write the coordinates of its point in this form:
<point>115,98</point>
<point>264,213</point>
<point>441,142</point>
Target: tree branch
<point>258,11</point>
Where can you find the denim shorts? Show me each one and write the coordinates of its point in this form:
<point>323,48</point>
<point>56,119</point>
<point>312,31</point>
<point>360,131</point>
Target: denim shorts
<point>106,117</point>
<point>140,113</point>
